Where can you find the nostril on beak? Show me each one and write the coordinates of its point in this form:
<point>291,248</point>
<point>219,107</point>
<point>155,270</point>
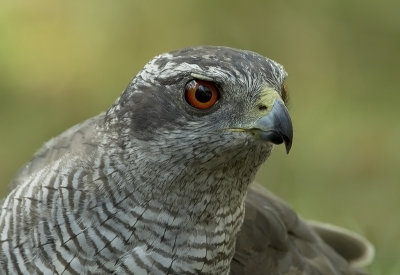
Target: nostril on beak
<point>262,107</point>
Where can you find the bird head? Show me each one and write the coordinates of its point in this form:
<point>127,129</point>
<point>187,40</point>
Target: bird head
<point>210,99</point>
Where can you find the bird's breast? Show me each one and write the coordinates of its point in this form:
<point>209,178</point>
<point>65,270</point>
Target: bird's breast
<point>184,247</point>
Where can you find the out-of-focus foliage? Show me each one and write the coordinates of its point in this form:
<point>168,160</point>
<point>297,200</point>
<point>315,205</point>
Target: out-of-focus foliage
<point>64,61</point>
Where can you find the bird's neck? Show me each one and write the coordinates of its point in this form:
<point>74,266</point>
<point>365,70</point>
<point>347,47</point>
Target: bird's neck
<point>199,209</point>
<point>202,190</point>
<point>191,181</point>
<point>196,206</point>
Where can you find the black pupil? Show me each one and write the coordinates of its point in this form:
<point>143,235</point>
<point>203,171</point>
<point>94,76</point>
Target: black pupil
<point>203,94</point>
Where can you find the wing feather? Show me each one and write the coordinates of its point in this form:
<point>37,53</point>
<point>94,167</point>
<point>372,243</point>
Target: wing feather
<point>275,240</point>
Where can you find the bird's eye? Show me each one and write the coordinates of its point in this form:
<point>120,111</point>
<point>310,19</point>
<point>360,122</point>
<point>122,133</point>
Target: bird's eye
<point>201,94</point>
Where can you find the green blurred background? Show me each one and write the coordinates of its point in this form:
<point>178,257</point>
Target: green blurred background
<point>64,61</point>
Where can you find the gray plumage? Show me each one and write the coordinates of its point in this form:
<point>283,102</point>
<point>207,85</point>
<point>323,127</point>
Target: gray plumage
<point>157,186</point>
<point>275,240</point>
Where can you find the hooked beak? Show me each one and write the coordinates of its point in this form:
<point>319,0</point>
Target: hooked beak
<point>276,126</point>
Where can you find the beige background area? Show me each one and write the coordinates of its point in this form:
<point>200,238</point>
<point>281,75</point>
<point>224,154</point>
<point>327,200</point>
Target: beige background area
<point>64,61</point>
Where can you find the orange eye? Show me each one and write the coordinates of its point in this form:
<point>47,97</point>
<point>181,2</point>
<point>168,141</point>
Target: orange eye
<point>201,94</point>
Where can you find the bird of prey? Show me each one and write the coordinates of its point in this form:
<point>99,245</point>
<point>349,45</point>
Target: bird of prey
<point>159,183</point>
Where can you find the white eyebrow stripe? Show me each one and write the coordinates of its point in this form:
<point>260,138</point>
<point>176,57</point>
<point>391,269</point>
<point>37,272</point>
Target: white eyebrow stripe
<point>201,77</point>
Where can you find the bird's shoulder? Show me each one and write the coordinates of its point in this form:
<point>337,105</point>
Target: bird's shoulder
<point>80,139</point>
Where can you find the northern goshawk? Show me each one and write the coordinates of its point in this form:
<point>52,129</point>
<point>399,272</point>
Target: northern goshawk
<point>158,183</point>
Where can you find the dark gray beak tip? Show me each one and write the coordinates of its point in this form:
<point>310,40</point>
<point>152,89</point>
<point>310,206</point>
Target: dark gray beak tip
<point>284,126</point>
<point>279,136</point>
<point>288,144</point>
<point>286,132</point>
